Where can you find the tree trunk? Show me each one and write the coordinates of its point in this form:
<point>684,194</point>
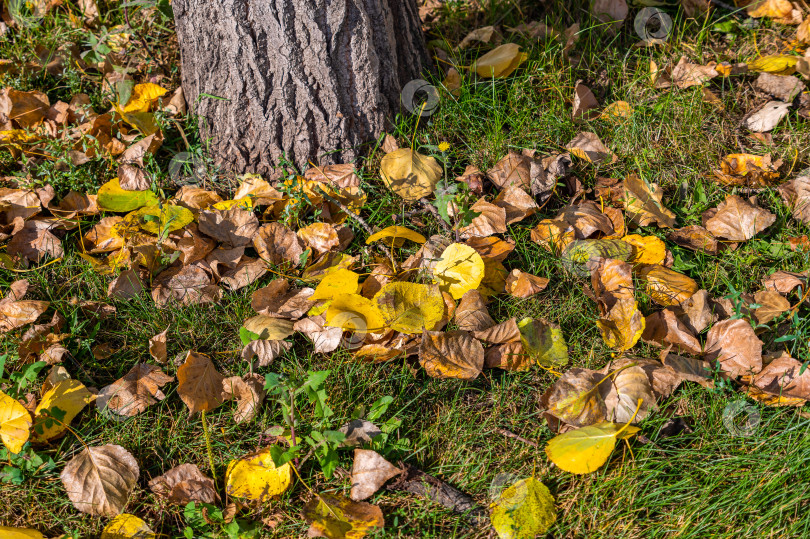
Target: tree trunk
<point>303,79</point>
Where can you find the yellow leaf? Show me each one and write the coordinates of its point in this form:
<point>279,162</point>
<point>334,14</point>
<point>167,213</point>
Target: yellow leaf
<point>500,62</point>
<point>256,477</point>
<point>336,517</point>
<point>667,287</point>
<point>15,423</point>
<point>586,449</point>
<point>775,9</point>
<point>244,203</point>
<point>337,281</point>
<point>649,249</point>
<point>112,198</point>
<point>126,526</point>
<point>158,218</point>
<point>459,269</point>
<point>7,532</point>
<point>353,312</point>
<point>623,325</point>
<point>58,407</point>
<point>397,233</point>
<point>410,307</point>
<point>143,97</point>
<point>523,511</point>
<point>775,63</point>
<point>543,341</point>
<point>617,111</point>
<point>410,174</point>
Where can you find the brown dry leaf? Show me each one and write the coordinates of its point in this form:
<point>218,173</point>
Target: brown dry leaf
<point>234,227</point>
<point>575,398</point>
<point>157,346</point>
<point>734,345</point>
<point>341,176</point>
<point>324,339</point>
<point>737,219</point>
<point>126,286</point>
<point>622,325</point>
<point>428,255</point>
<point>320,237</point>
<point>335,517</point>
<point>25,109</point>
<point>696,314</point>
<point>277,299</point>
<point>135,391</point>
<point>15,312</point>
<point>687,74</point>
<point>100,479</point>
<point>491,220</point>
<point>610,12</point>
<point>689,368</point>
<point>553,235</point>
<point>663,379</point>
<point>193,245</point>
<point>247,271</point>
<point>265,350</point>
<point>774,9</point>
<point>782,87</point>
<point>377,353</point>
<point>105,236</point>
<point>248,392</point>
<point>369,472</point>
<point>796,194</point>
<point>772,305</point>
<point>188,285</point>
<point>133,178</point>
<point>492,248</point>
<point>589,147</point>
<point>667,287</point>
<point>664,328</point>
<point>471,313</point>
<point>517,203</point>
<point>507,331</point>
<point>199,383</point>
<point>486,34</point>
<point>524,285</point>
<point>622,393</point>
<point>744,169</point>
<point>35,241</point>
<point>767,117</point>
<point>784,282</point>
<point>474,179</point>
<point>510,356</point>
<point>694,237</point>
<point>454,354</point>
<point>642,201</point>
<point>269,327</point>
<point>781,377</point>
<point>277,244</point>
<point>196,198</point>
<point>587,220</point>
<point>585,103</point>
<point>512,170</point>
<point>183,484</point>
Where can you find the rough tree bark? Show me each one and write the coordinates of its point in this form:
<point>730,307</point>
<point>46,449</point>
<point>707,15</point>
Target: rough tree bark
<point>308,79</point>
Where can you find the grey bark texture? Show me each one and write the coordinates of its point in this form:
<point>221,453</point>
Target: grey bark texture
<point>307,79</point>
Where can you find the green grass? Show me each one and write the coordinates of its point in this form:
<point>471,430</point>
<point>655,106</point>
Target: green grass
<point>707,483</point>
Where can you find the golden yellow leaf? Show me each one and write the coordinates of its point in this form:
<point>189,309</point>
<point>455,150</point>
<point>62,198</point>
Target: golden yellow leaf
<point>586,449</point>
<point>410,307</point>
<point>667,287</point>
<point>775,9</point>
<point>649,249</point>
<point>353,312</point>
<point>523,510</point>
<point>623,325</point>
<point>410,174</point>
<point>126,526</point>
<point>746,169</point>
<point>775,63</point>
<point>58,407</point>
<point>617,111</point>
<point>112,198</point>
<point>500,62</point>
<point>397,234</point>
<point>336,517</point>
<point>159,218</point>
<point>244,203</point>
<point>642,201</point>
<point>336,281</point>
<point>15,423</point>
<point>7,532</point>
<point>543,341</point>
<point>143,97</point>
<point>459,269</point>
<point>256,478</point>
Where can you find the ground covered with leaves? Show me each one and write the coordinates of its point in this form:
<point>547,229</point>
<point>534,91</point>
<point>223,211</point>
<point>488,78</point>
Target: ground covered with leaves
<point>566,295</point>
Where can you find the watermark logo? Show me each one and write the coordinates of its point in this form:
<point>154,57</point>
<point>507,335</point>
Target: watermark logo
<point>25,13</point>
<point>503,481</point>
<point>187,169</point>
<point>740,418</point>
<point>653,26</point>
<point>420,98</point>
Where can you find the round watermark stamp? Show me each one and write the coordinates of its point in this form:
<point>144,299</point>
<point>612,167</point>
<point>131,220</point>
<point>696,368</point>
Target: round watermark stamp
<point>187,169</point>
<point>740,418</point>
<point>653,26</point>
<point>503,481</point>
<point>420,98</point>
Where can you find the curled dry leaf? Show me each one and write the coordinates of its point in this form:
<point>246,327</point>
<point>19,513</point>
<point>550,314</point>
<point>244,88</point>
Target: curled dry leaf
<point>410,174</point>
<point>575,398</point>
<point>277,299</point>
<point>738,220</point>
<point>277,244</point>
<point>516,203</point>
<point>512,170</point>
<point>589,147</point>
<point>664,328</point>
<point>396,236</point>
<point>320,237</point>
<point>626,391</point>
<point>642,202</point>
<point>104,236</point>
<point>35,241</point>
<point>269,327</point>
<point>491,220</point>
<point>135,391</point>
<point>454,354</point>
<point>369,472</point>
<point>471,313</point>
<point>523,285</point>
<point>553,235</point>
<point>508,356</point>
<point>696,313</point>
<point>265,350</point>
<point>667,287</point>
<point>796,194</point>
<point>687,74</point>
<point>784,282</point>
<point>491,248</point>
<point>621,324</point>
<point>745,169</point>
<point>199,383</point>
<point>16,312</point>
<point>157,346</point>
<point>100,479</point>
<point>784,376</point>
<point>696,238</point>
<point>772,304</point>
<point>734,345</point>
<point>324,339</point>
<point>256,478</point>
<point>500,62</point>
<point>249,394</point>
<point>585,103</point>
<point>183,484</point>
<point>507,331</point>
<point>587,220</point>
